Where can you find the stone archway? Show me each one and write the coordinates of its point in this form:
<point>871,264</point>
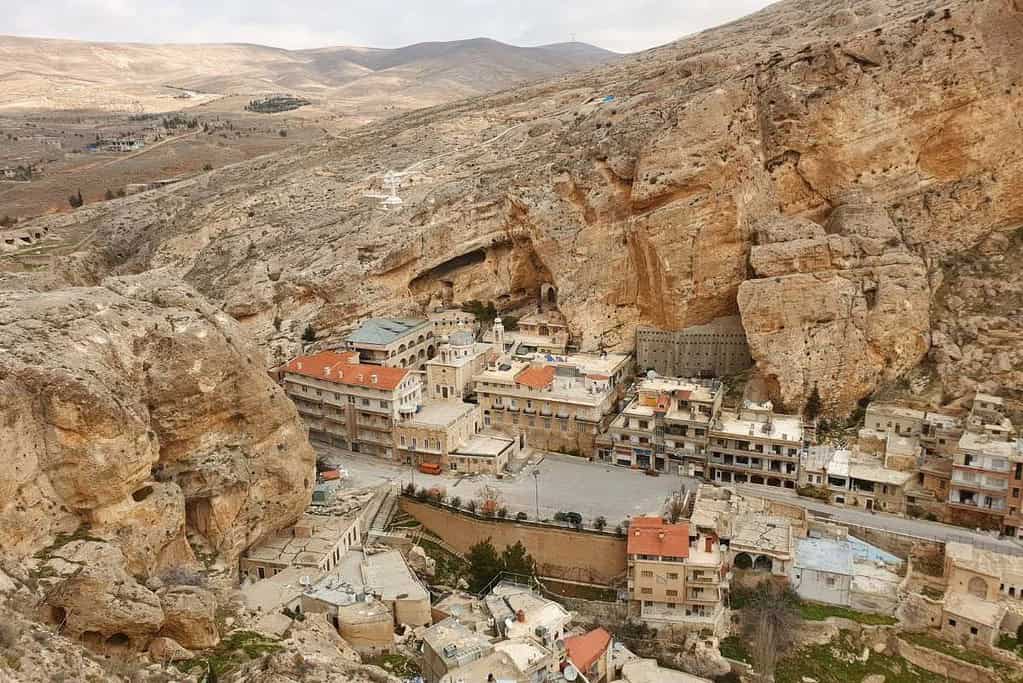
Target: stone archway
<point>548,297</point>
<point>977,587</point>
<point>743,561</point>
<point>763,563</point>
<point>431,352</point>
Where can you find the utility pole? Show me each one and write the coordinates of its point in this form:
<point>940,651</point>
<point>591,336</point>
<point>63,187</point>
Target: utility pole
<point>536,486</point>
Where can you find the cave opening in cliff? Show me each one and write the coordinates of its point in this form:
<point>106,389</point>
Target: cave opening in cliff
<point>141,494</point>
<point>118,641</point>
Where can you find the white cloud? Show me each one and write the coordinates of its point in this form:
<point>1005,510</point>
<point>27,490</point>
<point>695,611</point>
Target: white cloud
<point>621,26</point>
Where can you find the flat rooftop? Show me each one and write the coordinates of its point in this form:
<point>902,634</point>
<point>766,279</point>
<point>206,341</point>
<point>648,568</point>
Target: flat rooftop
<point>1007,568</point>
<point>983,443</point>
<point>824,555</point>
<point>485,446</point>
<point>764,533</point>
<point>679,387</point>
<point>896,410</point>
<point>876,472</point>
<point>782,427</point>
<point>306,543</point>
<point>455,643</point>
<point>441,413</point>
<point>388,575</point>
<point>975,609</point>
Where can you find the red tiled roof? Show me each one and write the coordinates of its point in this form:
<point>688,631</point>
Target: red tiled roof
<point>652,536</point>
<point>338,368</point>
<point>683,394</point>
<point>536,377</point>
<point>586,649</point>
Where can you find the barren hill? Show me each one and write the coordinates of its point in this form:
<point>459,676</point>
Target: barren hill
<point>833,175</point>
<point>41,73</point>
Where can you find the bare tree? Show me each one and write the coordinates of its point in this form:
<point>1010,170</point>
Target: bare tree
<point>769,625</point>
<point>676,507</point>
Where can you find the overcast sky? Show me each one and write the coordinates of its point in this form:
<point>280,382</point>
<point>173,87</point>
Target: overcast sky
<point>622,26</point>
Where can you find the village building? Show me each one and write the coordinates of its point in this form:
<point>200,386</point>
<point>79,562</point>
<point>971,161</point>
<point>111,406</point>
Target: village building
<point>649,671</point>
<point>367,595</point>
<point>987,415</point>
<point>590,654</point>
<point>466,608</point>
<point>983,573</point>
<point>488,452</point>
<point>545,332</point>
<point>316,543</point>
<point>985,473</point>
<point>754,445</point>
<point>449,374</point>
<point>516,661</point>
<point>665,426</point>
<point>394,342</point>
<point>823,570</point>
<point>447,321</point>
<point>519,612</point>
<point>967,620</point>
<point>450,645</point>
<point>559,403</point>
<point>351,405</point>
<point>717,349</point>
<point>855,479</point>
<point>435,430</point>
<point>676,575</point>
<point>940,435</point>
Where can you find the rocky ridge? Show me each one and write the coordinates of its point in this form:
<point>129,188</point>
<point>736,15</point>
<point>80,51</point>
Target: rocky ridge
<point>643,208</point>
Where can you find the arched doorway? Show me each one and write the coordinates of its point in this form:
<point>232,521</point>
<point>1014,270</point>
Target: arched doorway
<point>763,564</point>
<point>743,561</point>
<point>977,587</point>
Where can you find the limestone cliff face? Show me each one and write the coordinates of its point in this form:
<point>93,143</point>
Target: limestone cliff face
<point>644,208</point>
<point>138,409</point>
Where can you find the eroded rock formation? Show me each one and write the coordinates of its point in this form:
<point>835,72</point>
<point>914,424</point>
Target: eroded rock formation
<point>636,190</point>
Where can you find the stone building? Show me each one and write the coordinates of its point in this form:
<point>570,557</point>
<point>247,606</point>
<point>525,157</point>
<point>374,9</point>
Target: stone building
<point>449,374</point>
<point>349,404</point>
<point>823,570</point>
<point>590,653</point>
<point>450,645</point>
<point>489,452</point>
<point>855,479</point>
<point>713,350</point>
<point>316,542</point>
<point>536,333</point>
<point>394,342</point>
<point>447,321</point>
<point>665,426</point>
<point>755,445</point>
<point>967,620</point>
<point>940,435</point>
<point>434,431</point>
<point>559,403</point>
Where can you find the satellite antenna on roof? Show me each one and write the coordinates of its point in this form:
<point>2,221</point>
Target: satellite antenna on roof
<point>570,673</point>
<point>650,374</point>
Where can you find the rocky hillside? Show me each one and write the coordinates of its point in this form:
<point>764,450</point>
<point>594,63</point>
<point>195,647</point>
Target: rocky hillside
<point>818,168</point>
<point>48,74</point>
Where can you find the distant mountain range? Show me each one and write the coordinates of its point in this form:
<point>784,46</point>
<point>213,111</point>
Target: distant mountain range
<point>40,73</point>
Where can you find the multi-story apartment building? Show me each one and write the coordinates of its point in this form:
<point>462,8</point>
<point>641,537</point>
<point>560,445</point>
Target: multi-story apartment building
<point>755,445</point>
<point>665,426</point>
<point>560,403</point>
<point>449,320</point>
<point>982,472</point>
<point>349,404</point>
<point>854,479</point>
<point>676,576</point>
<point>393,342</point>
<point>449,375</point>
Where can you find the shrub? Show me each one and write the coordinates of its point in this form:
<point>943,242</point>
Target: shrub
<point>76,200</point>
<point>309,334</point>
<point>502,512</point>
<point>521,516</point>
<point>599,523</point>
<point>456,502</point>
<point>471,506</point>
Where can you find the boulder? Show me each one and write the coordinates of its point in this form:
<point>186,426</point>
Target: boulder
<point>190,616</point>
<point>167,650</point>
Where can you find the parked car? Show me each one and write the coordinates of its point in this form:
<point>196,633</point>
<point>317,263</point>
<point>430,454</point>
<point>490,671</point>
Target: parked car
<point>651,472</point>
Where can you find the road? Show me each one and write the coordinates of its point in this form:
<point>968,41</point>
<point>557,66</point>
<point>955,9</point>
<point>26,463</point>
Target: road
<point>919,528</point>
<point>564,484</point>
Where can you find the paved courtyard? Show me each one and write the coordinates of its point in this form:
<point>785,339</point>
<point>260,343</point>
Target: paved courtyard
<point>565,484</point>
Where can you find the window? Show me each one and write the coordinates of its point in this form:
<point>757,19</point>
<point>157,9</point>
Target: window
<point>365,401</point>
<point>673,576</point>
<point>973,630</point>
<point>647,591</point>
<point>671,593</point>
<point>383,404</point>
<point>646,574</point>
<point>830,580</point>
<point>951,622</point>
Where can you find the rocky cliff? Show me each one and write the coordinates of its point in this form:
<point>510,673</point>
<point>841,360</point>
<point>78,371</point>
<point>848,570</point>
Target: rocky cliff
<point>653,191</point>
<point>138,430</point>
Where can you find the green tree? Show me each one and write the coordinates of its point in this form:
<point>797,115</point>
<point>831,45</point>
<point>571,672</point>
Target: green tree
<point>76,200</point>
<point>484,565</point>
<point>309,334</point>
<point>515,560</point>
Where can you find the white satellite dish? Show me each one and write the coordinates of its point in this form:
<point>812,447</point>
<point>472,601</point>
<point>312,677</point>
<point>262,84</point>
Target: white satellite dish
<point>570,673</point>
<point>650,374</point>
